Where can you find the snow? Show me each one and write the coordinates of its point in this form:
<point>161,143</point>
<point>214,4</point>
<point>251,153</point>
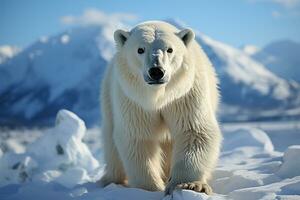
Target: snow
<point>290,166</point>
<point>7,51</point>
<point>250,49</point>
<point>241,68</point>
<point>65,39</point>
<point>65,161</point>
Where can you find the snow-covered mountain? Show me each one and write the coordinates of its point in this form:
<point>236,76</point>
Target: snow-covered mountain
<point>282,58</point>
<point>64,71</point>
<point>248,88</point>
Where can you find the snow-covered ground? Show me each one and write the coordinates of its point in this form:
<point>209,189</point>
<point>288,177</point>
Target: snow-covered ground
<point>65,161</point>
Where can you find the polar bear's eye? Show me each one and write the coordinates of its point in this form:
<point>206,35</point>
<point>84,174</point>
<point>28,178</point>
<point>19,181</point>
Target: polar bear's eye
<point>140,50</point>
<point>169,50</point>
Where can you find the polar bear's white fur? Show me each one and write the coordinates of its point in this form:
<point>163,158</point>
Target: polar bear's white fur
<point>165,135</point>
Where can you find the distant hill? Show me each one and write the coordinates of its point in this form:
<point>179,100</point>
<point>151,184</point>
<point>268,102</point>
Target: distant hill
<point>282,58</point>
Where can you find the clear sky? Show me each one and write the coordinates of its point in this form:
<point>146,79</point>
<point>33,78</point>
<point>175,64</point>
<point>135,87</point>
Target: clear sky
<point>236,22</point>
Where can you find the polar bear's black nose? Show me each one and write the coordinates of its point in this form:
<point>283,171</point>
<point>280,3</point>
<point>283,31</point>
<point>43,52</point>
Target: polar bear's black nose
<point>156,73</point>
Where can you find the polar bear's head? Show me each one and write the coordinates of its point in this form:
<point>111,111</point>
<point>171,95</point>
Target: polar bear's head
<point>154,50</point>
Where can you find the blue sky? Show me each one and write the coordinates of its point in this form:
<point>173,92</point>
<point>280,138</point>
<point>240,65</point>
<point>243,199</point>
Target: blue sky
<point>236,22</point>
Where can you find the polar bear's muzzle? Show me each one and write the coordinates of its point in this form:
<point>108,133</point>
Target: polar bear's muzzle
<point>155,75</point>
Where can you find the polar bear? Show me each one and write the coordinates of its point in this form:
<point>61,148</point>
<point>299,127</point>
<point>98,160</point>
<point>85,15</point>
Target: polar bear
<point>159,100</point>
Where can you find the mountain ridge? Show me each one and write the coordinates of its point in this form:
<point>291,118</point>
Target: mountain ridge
<point>282,58</point>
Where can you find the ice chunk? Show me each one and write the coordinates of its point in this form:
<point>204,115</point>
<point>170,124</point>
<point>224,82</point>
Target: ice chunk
<point>59,155</point>
<point>62,146</point>
<point>291,162</point>
<point>72,177</point>
<point>48,176</point>
<point>14,146</point>
<point>15,168</point>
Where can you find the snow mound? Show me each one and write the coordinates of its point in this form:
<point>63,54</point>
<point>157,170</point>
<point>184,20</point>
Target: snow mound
<point>291,162</point>
<point>248,137</point>
<point>237,180</point>
<point>59,155</point>
<point>286,189</point>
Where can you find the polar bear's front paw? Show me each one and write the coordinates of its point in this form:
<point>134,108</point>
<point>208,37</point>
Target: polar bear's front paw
<point>196,186</point>
<point>106,180</point>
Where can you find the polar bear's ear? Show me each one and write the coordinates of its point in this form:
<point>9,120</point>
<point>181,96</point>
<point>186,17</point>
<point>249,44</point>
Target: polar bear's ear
<point>187,35</point>
<point>120,37</point>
